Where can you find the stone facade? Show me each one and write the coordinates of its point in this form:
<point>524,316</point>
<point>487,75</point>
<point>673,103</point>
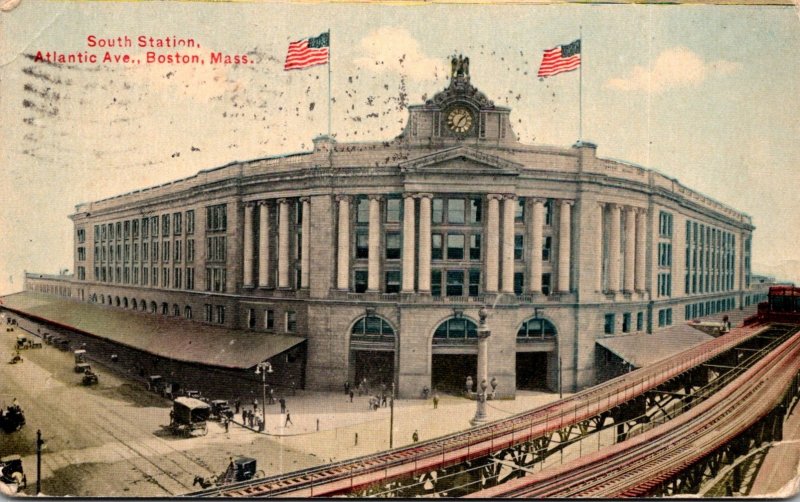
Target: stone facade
<point>451,215</point>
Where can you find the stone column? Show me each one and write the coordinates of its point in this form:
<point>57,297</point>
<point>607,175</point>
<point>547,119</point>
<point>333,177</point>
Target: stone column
<point>305,243</point>
<point>408,244</point>
<point>492,243</point>
<point>283,243</point>
<point>630,248</point>
<point>537,241</point>
<point>374,277</point>
<point>248,245</point>
<point>598,277</point>
<point>263,244</point>
<point>343,247</point>
<point>564,245</point>
<point>509,209</point>
<point>614,248</point>
<point>641,252</point>
<point>424,277</point>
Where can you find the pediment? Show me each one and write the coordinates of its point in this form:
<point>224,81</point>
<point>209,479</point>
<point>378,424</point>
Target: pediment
<point>461,160</point>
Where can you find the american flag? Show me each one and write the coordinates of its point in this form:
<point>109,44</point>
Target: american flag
<point>308,52</point>
<point>560,59</point>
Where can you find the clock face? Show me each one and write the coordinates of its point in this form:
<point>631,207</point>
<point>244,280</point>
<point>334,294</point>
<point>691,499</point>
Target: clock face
<point>459,119</point>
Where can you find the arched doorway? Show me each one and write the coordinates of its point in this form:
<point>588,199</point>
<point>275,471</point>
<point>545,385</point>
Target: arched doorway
<point>373,344</point>
<point>537,355</point>
<point>454,354</point>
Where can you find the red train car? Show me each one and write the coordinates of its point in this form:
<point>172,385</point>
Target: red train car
<point>782,305</point>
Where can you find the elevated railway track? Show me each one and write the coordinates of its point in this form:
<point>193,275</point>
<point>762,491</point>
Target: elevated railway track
<point>506,452</point>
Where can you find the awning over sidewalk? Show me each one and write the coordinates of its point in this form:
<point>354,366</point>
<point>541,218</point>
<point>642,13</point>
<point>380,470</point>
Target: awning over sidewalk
<point>169,337</point>
<point>642,350</point>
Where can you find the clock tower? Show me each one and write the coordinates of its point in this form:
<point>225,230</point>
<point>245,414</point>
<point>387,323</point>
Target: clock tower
<point>459,113</point>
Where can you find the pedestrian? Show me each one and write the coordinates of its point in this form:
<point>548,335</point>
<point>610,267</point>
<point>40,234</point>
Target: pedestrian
<point>415,436</point>
<point>383,399</point>
<point>226,423</point>
<point>250,418</point>
<point>435,400</point>
<point>288,419</point>
<point>347,387</point>
<point>237,404</point>
<point>282,402</point>
<point>351,395</point>
<point>255,404</point>
<point>271,395</point>
<point>260,424</point>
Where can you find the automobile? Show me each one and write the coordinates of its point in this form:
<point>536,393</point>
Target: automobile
<point>155,383</point>
<point>239,469</point>
<point>12,473</point>
<point>82,367</point>
<point>16,358</point>
<point>220,408</point>
<point>189,417</point>
<point>89,377</point>
<point>80,356</point>
<point>23,342</point>
<point>62,344</point>
<point>12,418</point>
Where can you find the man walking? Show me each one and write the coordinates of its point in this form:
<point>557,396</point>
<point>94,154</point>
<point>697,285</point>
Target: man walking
<point>288,419</point>
<point>435,400</point>
<point>415,436</point>
<point>351,395</point>
<point>282,402</point>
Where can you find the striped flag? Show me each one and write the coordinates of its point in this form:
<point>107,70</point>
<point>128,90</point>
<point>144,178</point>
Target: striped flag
<point>308,52</point>
<point>560,59</point>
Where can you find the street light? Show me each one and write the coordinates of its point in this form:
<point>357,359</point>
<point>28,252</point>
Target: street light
<point>262,369</point>
<point>483,371</point>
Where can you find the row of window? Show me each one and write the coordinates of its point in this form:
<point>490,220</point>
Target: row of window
<point>142,305</point>
<point>754,299</point>
<point>147,276</point>
<point>710,307</point>
<point>450,211</point>
<point>665,224</point>
<point>151,251</point>
<point>664,317</point>
<point>289,318</point>
<point>710,259</point>
<point>610,322</point>
<point>171,224</point>
<point>665,284</point>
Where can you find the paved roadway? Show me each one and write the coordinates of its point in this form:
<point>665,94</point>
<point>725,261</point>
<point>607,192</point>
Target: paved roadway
<point>107,440</point>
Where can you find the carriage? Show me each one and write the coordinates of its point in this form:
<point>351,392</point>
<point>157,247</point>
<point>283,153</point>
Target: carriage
<point>239,469</point>
<point>12,419</point>
<point>189,417</point>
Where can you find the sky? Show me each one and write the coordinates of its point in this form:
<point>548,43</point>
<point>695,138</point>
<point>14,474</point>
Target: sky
<point>708,95</point>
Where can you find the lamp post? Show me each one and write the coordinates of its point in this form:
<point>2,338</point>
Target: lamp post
<point>483,370</point>
<point>262,369</point>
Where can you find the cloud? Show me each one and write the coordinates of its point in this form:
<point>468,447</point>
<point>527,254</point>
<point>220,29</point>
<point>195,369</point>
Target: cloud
<point>393,50</point>
<point>673,68</point>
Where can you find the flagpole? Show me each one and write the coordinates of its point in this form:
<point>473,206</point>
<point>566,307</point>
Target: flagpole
<point>329,83</point>
<point>580,86</point>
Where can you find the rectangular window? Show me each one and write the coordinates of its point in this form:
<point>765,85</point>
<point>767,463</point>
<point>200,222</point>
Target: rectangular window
<point>455,283</point>
<point>165,277</point>
<point>475,210</point>
<point>362,210</point>
<point>455,211</point>
<point>217,218</point>
<point>291,321</point>
<point>177,278</point>
<point>639,321</point>
<point>361,281</point>
<point>103,232</point>
<point>474,282</point>
<point>475,247</point>
<point>165,225</point>
<point>208,313</point>
<point>393,281</point>
<point>626,322</point>
<point>190,222</point>
<point>126,228</point>
<point>154,276</point>
<point>135,228</point>
<point>519,247</point>
<point>177,225</point>
<point>393,210</point>
<point>155,251</point>
<point>145,228</point>
<point>189,278</point>
<point>362,244</point>
<point>135,251</point>
<point>145,276</point>
<point>519,282</point>
<point>546,287</point>
<point>436,247</point>
<point>178,251</point>
<point>393,245</point>
<point>437,212</point>
<point>251,318</point>
<point>81,254</point>
<point>436,283</point>
<point>269,319</point>
<point>165,251</point>
<point>547,246</point>
<point>190,251</point>
<point>455,246</point>
<point>519,210</point>
<point>548,212</point>
<point>118,231</point>
<point>608,326</point>
<point>219,314</point>
<point>154,226</point>
<point>215,248</point>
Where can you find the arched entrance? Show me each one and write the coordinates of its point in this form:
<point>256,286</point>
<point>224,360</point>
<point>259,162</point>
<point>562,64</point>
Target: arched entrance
<point>454,354</point>
<point>537,355</point>
<point>372,352</point>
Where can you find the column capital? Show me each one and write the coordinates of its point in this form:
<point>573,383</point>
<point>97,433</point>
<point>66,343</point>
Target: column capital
<point>374,196</point>
<point>510,196</point>
<point>305,198</point>
<point>641,211</point>
<point>494,196</point>
<point>250,204</point>
<point>567,202</point>
<point>631,209</point>
<point>613,205</point>
<point>263,202</point>
<point>283,200</point>
<point>423,195</point>
<point>538,200</point>
<point>343,197</point>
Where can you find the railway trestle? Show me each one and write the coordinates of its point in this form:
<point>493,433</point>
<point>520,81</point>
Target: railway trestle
<point>767,430</point>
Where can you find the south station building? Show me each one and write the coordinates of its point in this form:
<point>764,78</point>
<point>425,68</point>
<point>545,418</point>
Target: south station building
<point>372,260</point>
